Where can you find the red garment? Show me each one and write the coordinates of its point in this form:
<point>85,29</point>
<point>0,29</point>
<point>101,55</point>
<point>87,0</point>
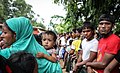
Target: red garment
<point>108,45</point>
<point>8,69</point>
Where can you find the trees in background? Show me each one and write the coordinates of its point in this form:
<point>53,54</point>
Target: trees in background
<point>78,11</point>
<point>89,10</point>
<point>16,8</point>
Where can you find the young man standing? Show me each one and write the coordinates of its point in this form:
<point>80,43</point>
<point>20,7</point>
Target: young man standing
<point>108,45</point>
<point>89,46</point>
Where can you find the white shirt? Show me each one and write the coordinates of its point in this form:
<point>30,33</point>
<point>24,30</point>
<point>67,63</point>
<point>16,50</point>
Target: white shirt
<point>88,46</point>
<point>63,41</point>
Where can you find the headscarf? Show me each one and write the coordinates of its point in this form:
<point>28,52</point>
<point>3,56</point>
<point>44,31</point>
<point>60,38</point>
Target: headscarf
<point>25,41</point>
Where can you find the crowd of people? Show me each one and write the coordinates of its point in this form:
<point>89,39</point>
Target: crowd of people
<point>83,50</point>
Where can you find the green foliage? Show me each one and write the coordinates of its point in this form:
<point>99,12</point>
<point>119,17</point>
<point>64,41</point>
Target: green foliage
<point>117,28</point>
<point>4,8</point>
<point>89,10</point>
<point>16,8</point>
<point>34,23</point>
<point>20,8</point>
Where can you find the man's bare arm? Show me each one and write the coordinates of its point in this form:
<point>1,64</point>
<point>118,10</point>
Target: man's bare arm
<point>106,59</point>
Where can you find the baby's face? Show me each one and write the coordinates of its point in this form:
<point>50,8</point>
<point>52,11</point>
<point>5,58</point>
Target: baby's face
<point>48,41</point>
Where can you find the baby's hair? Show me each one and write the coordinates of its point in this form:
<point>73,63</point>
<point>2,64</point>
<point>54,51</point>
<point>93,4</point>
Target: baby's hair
<point>51,33</point>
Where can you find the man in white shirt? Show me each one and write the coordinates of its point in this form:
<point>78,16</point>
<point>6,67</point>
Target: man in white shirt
<point>89,46</point>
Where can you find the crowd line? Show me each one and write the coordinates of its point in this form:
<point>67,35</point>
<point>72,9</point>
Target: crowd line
<point>83,50</point>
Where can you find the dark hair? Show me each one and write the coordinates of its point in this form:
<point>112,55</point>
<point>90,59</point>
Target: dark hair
<point>9,28</point>
<point>107,17</point>
<point>74,30</point>
<point>51,33</point>
<point>70,42</point>
<point>79,29</point>
<point>38,38</point>
<point>67,33</point>
<point>87,25</point>
<point>24,61</point>
<point>4,65</point>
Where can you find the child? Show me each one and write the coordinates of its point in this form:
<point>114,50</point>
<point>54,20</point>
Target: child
<point>49,43</point>
<point>23,62</point>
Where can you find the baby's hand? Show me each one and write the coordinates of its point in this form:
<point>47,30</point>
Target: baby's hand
<point>40,55</point>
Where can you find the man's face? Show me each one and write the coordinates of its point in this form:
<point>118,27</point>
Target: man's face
<point>87,33</point>
<point>73,34</point>
<point>104,27</point>
<point>77,34</point>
